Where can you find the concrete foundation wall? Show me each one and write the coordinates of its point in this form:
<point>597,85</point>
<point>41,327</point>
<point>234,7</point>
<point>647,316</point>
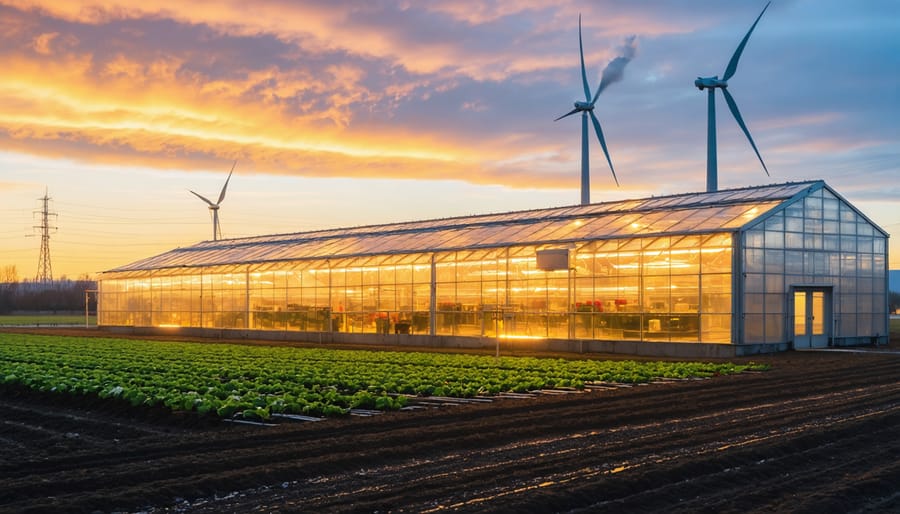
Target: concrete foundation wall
<point>576,346</point>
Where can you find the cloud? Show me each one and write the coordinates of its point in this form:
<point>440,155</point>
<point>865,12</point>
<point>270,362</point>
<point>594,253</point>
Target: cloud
<point>43,41</point>
<point>399,89</point>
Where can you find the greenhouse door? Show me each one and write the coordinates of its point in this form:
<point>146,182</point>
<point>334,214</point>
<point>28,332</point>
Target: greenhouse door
<point>812,312</point>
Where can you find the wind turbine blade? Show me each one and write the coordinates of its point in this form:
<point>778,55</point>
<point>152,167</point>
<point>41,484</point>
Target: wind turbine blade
<point>732,65</point>
<point>737,116</point>
<point>587,89</point>
<point>573,111</point>
<point>603,145</point>
<point>203,198</point>
<point>222,194</point>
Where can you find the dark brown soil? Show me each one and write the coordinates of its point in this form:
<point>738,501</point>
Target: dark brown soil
<point>820,432</point>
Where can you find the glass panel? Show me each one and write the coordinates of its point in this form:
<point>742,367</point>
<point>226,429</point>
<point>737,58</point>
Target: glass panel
<point>655,257</point>
<point>800,313</point>
<point>812,241</point>
<point>774,239</point>
<point>749,214</point>
<point>774,303</point>
<point>715,328</point>
<point>794,210</point>
<point>754,302</point>
<point>685,293</point>
<point>865,244</point>
<point>754,328</point>
<point>775,222</point>
<point>715,292</point>
<point>774,261</point>
<point>754,239</point>
<point>754,261</point>
<point>793,262</point>
<point>813,226</point>
<point>774,283</point>
<point>715,255</point>
<point>848,264</point>
<point>774,327</point>
<point>830,209</point>
<point>793,240</point>
<point>656,294</point>
<point>793,224</point>
<point>818,313</point>
<point>813,207</point>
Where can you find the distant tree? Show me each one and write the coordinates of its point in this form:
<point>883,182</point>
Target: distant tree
<point>894,301</point>
<point>58,295</point>
<point>9,274</point>
<point>9,282</point>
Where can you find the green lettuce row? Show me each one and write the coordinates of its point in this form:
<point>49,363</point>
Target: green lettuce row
<point>258,381</point>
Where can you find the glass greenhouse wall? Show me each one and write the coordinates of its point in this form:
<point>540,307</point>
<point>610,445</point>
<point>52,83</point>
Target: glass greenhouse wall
<point>656,270</point>
<point>633,289</point>
<point>815,267</point>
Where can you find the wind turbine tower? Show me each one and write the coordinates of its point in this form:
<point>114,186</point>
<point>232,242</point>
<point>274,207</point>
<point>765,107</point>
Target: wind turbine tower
<point>711,84</point>
<point>214,207</point>
<point>45,268</point>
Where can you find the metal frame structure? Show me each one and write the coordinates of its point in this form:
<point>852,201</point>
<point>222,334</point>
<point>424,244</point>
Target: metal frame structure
<point>714,268</point>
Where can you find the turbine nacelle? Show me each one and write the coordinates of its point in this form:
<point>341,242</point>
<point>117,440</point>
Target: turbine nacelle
<point>710,82</point>
<point>584,106</point>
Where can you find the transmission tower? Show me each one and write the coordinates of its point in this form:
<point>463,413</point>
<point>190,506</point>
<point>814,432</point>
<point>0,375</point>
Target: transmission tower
<point>45,268</point>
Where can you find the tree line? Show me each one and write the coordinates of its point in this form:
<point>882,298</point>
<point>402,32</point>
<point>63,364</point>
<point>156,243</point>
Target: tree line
<point>53,296</point>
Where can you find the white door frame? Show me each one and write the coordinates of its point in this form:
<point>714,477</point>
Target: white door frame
<point>811,315</point>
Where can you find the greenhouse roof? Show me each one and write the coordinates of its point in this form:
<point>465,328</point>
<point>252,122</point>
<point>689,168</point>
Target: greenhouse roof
<point>689,213</point>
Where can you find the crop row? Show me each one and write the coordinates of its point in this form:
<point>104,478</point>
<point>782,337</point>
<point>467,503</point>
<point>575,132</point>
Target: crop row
<point>258,381</point>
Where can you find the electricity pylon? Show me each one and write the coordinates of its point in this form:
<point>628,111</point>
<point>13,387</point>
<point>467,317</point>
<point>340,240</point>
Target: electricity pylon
<point>45,268</point>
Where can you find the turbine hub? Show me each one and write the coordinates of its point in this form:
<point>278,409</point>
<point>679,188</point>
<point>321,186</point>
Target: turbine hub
<point>584,106</point>
<point>710,82</point>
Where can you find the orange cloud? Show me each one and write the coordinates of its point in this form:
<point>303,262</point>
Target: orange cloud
<point>42,43</point>
<point>145,105</point>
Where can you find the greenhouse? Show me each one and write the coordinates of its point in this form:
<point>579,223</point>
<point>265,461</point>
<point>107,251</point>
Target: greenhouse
<point>731,272</point>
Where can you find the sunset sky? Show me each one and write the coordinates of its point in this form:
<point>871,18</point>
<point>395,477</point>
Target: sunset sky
<point>354,113</point>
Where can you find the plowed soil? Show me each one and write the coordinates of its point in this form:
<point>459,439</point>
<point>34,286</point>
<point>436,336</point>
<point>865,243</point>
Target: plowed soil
<point>819,432</point>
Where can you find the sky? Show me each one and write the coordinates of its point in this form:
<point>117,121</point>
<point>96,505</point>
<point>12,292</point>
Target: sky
<point>339,114</point>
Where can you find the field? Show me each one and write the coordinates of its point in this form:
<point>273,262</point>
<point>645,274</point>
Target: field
<point>818,431</point>
<point>259,382</point>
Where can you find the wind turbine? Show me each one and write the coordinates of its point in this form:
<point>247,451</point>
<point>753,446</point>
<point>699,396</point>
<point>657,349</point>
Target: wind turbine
<point>214,207</point>
<point>586,108</point>
<point>713,83</point>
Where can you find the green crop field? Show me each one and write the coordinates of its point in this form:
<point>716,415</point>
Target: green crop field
<point>46,319</point>
<point>255,382</point>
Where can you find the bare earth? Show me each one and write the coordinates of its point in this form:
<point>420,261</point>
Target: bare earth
<point>820,433</point>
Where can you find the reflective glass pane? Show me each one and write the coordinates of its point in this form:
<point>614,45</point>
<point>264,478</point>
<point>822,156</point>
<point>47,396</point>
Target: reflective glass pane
<point>818,313</point>
<point>800,313</point>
